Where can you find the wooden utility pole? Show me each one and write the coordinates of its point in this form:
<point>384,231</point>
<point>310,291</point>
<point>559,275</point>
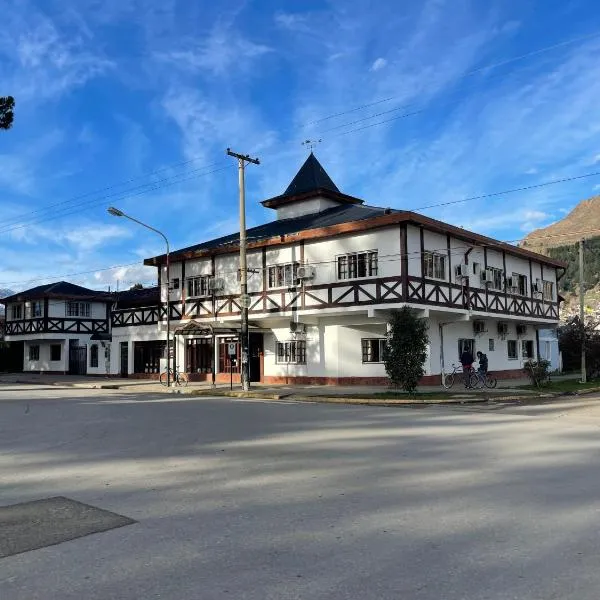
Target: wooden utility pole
<point>581,310</point>
<point>242,160</point>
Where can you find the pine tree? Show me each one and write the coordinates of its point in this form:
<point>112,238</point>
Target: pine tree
<point>406,349</point>
<point>7,104</point>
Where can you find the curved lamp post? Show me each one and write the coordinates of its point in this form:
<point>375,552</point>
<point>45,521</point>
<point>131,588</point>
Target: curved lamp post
<point>115,212</point>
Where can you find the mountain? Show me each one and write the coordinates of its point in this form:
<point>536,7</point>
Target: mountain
<point>582,222</point>
<point>4,293</point>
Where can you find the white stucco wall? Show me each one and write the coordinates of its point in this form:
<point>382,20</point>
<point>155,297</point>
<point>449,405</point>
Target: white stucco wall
<point>305,207</point>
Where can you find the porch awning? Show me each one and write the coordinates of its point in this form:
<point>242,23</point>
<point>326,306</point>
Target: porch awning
<point>101,337</point>
<point>199,328</point>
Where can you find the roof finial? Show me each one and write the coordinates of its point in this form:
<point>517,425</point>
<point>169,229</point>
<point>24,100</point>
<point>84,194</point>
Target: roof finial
<point>311,144</point>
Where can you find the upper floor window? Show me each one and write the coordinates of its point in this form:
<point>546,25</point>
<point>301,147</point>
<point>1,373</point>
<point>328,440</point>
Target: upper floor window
<point>292,352</point>
<point>357,264</point>
<point>497,281</point>
<point>175,283</point>
<point>548,290</point>
<point>16,311</point>
<point>78,309</point>
<point>434,265</point>
<point>36,309</point>
<point>198,286</point>
<point>283,275</point>
<point>519,284</point>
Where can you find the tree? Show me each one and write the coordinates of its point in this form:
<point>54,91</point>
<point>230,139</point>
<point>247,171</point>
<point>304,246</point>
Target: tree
<point>406,349</point>
<point>137,286</point>
<point>7,104</point>
<point>570,337</point>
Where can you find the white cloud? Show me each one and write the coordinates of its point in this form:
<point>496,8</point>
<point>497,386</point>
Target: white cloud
<point>532,171</point>
<point>378,64</point>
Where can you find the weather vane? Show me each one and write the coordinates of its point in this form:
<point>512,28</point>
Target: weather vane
<point>311,143</point>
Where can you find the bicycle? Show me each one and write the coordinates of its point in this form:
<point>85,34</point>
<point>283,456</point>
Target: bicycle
<point>177,377</point>
<point>479,380</point>
<point>448,380</point>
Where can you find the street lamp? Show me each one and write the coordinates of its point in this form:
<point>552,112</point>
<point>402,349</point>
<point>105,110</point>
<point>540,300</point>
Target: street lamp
<point>115,212</point>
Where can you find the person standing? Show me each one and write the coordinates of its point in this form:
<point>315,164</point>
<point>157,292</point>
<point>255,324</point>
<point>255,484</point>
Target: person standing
<point>483,363</point>
<point>466,360</point>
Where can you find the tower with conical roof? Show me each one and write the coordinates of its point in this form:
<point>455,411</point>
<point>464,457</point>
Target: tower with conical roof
<point>310,191</point>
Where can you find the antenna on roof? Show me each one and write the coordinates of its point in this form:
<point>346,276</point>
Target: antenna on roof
<point>311,143</point>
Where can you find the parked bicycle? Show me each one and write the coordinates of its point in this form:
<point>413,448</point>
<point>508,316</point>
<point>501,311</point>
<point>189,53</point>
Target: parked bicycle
<point>479,380</point>
<point>177,377</point>
<point>449,378</point>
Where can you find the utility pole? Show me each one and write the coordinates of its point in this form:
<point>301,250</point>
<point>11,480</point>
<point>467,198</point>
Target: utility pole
<point>581,310</point>
<point>242,160</point>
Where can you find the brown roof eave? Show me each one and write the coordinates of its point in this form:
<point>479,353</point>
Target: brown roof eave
<point>277,201</point>
<point>365,224</point>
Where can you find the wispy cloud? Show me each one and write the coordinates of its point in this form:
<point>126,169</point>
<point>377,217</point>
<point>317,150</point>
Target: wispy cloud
<point>378,64</point>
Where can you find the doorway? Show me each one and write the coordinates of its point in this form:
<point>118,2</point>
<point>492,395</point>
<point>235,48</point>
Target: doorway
<point>124,371</point>
<point>255,364</point>
<point>77,358</point>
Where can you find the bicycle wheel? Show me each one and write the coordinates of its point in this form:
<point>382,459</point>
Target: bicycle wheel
<point>163,378</point>
<point>490,381</point>
<point>182,379</point>
<point>448,381</point>
<point>475,381</point>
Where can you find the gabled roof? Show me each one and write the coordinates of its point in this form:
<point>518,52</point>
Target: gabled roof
<point>60,289</point>
<point>310,181</point>
<point>139,297</point>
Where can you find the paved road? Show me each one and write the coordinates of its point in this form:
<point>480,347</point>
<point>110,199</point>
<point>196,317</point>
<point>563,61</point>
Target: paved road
<point>251,500</point>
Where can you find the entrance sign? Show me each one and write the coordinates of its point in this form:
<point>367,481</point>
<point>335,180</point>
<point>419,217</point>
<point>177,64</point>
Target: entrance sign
<point>232,348</point>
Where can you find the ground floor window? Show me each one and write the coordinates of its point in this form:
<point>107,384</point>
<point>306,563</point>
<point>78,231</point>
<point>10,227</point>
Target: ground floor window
<point>466,344</point>
<point>55,352</point>
<point>147,355</point>
<point>527,348</point>
<point>292,352</point>
<point>34,352</point>
<point>491,344</point>
<point>372,350</point>
<point>512,349</point>
<point>227,363</point>
<point>198,355</point>
<point>94,355</point>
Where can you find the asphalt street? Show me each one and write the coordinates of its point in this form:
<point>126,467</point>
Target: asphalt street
<point>263,501</point>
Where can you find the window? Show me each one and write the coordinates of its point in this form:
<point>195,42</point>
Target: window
<point>198,286</point>
<point>357,264</point>
<point>225,361</point>
<point>78,309</point>
<point>434,265</point>
<point>527,348</point>
<point>34,352</point>
<point>55,352</point>
<point>520,284</point>
<point>283,275</point>
<point>36,309</point>
<point>512,349</point>
<point>199,355</point>
<point>491,345</point>
<point>476,267</point>
<point>293,352</point>
<point>16,311</point>
<point>497,278</point>
<point>466,344</point>
<point>373,349</point>
<point>548,290</point>
<point>94,355</point>
<point>147,355</point>
<point>175,283</point>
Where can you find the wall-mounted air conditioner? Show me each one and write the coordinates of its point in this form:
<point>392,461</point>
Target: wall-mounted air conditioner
<point>297,327</point>
<point>216,284</point>
<point>461,270</point>
<point>538,287</point>
<point>521,329</point>
<point>487,276</point>
<point>478,326</point>
<point>502,328</point>
<point>512,282</point>
<point>306,272</point>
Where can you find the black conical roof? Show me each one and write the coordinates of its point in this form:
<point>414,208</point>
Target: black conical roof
<point>311,176</point>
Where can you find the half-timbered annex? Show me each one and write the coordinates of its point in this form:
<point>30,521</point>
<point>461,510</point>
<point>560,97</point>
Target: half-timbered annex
<point>324,275</point>
<point>62,327</point>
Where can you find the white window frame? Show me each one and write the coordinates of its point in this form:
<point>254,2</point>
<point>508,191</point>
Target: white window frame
<point>348,265</point>
<point>497,278</point>
<point>74,308</point>
<point>371,355</point>
<point>524,353</point>
<point>508,343</point>
<point>290,352</point>
<point>547,289</point>
<point>16,312</point>
<point>197,286</point>
<point>284,275</point>
<point>520,290</point>
<point>434,265</point>
<point>36,313</point>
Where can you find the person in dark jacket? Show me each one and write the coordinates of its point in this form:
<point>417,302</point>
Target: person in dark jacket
<point>483,363</point>
<point>466,360</point>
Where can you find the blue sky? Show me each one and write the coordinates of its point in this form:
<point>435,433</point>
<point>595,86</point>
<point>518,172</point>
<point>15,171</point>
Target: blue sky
<point>133,103</point>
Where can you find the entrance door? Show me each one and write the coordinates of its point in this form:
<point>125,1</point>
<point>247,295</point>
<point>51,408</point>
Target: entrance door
<point>124,359</point>
<point>256,356</point>
<point>77,358</point>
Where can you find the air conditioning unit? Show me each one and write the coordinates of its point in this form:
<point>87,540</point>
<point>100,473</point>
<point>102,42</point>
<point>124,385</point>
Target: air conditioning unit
<point>487,276</point>
<point>306,272</point>
<point>297,327</point>
<point>503,328</point>
<point>512,282</point>
<point>478,326</point>
<point>538,287</point>
<point>216,284</point>
<point>461,270</point>
<point>521,329</point>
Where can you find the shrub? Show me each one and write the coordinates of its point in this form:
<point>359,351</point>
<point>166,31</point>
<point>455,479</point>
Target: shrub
<point>537,370</point>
